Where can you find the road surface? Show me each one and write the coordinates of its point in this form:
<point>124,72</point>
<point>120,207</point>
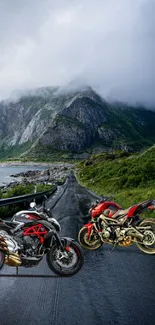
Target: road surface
<point>115,288</point>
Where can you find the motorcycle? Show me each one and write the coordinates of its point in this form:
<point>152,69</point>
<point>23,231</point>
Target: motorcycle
<point>30,235</point>
<point>113,225</point>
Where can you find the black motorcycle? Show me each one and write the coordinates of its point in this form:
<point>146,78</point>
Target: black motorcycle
<point>30,235</point>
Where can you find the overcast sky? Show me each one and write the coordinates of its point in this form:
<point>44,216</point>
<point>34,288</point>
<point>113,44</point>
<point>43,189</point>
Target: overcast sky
<point>107,44</point>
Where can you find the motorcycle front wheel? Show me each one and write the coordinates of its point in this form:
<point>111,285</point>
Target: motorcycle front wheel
<point>2,259</point>
<point>67,262</point>
<point>147,244</point>
<point>89,243</point>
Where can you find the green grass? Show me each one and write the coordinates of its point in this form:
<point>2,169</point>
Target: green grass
<point>130,179</point>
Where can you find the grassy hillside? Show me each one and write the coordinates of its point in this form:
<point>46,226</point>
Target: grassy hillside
<point>130,178</point>
<point>135,124</point>
<point>7,152</point>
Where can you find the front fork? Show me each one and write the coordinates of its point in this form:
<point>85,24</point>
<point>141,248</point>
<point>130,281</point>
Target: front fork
<point>91,228</point>
<point>63,243</point>
<point>64,247</point>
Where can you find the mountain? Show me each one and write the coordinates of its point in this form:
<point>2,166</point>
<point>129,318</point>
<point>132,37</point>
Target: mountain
<point>50,121</point>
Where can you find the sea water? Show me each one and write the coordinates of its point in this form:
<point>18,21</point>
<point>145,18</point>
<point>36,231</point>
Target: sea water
<point>6,171</point>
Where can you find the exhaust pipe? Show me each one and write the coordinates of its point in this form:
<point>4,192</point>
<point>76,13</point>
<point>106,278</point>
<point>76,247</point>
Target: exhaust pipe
<point>13,259</point>
<point>135,233</point>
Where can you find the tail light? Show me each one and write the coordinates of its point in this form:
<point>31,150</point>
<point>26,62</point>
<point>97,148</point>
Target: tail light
<point>151,207</point>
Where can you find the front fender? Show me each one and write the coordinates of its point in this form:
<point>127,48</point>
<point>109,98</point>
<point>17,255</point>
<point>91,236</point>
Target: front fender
<point>66,240</point>
<point>89,227</point>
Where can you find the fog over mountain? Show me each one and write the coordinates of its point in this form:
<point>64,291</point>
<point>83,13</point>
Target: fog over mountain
<point>107,44</point>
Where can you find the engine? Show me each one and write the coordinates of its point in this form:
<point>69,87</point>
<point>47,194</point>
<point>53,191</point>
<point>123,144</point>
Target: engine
<point>19,250</point>
<point>110,232</point>
<point>30,246</point>
<point>106,231</point>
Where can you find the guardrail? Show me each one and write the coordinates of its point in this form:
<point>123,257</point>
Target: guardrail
<point>27,197</point>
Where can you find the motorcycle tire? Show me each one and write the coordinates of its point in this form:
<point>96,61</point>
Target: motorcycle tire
<point>143,247</point>
<point>86,243</point>
<point>66,266</point>
<point>2,259</point>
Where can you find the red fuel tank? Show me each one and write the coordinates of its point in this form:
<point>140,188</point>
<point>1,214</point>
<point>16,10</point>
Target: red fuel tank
<point>96,211</point>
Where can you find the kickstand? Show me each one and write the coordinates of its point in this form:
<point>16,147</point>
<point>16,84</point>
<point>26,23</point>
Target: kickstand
<point>113,247</point>
<point>17,270</point>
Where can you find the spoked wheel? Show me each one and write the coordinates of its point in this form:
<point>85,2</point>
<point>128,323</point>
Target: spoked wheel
<point>68,262</point>
<point>147,244</point>
<point>2,259</point>
<point>89,243</point>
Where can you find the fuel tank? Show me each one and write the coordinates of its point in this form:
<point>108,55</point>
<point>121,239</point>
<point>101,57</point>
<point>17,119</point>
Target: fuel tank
<point>25,216</point>
<point>97,210</point>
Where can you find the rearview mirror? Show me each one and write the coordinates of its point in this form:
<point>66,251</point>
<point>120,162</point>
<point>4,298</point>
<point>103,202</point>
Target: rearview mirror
<point>32,204</point>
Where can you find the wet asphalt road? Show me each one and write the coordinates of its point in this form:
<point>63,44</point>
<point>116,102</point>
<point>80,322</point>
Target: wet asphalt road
<point>111,289</point>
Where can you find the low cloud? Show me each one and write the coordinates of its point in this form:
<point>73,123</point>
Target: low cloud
<point>106,44</point>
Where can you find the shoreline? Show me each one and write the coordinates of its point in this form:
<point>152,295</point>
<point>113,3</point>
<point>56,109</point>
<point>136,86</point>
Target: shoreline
<point>32,163</point>
<point>28,172</point>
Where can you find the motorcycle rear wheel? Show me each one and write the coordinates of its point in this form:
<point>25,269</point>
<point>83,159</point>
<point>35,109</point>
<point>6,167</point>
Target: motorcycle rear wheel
<point>148,249</point>
<point>65,266</point>
<point>2,259</point>
<point>86,243</point>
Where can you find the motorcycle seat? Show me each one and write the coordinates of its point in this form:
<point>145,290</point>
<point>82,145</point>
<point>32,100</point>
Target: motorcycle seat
<point>120,213</point>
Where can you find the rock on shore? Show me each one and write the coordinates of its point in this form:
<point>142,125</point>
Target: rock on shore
<point>55,173</point>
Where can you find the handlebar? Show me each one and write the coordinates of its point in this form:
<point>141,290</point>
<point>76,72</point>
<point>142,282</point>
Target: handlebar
<point>102,199</point>
<point>44,210</point>
<point>48,212</point>
<point>106,198</point>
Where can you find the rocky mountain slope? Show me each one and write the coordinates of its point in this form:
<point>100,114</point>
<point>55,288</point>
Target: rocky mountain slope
<point>49,121</point>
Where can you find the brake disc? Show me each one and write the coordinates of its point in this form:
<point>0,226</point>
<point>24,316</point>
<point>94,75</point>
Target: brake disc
<point>149,238</point>
<point>67,259</point>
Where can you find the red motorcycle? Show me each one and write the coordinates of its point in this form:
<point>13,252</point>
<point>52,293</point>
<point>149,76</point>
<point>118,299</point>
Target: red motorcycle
<point>113,225</point>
